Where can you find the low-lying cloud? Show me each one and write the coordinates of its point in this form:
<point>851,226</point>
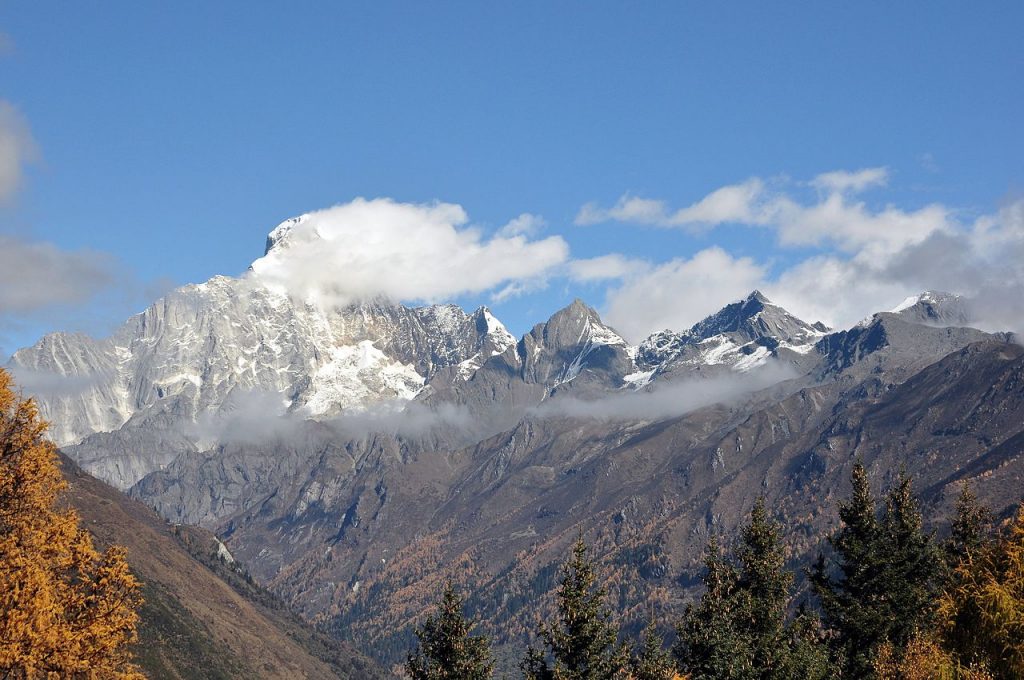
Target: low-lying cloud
<point>257,417</point>
<point>668,400</point>
<point>410,252</point>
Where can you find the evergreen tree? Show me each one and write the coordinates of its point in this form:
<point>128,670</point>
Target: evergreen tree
<point>969,528</point>
<point>764,587</point>
<point>65,610</point>
<point>653,662</point>
<point>446,649</point>
<point>913,568</point>
<point>708,643</point>
<point>886,574</point>
<point>738,630</point>
<point>583,640</point>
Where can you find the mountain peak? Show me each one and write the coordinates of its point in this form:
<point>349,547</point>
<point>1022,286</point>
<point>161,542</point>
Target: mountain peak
<point>758,296</point>
<point>935,308</point>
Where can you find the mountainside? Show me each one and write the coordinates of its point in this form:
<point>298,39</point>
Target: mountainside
<point>201,618</point>
<point>355,456</point>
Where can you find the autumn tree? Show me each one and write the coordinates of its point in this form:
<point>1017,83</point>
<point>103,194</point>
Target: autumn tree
<point>65,610</point>
<point>446,649</point>
<point>981,614</point>
<point>582,641</point>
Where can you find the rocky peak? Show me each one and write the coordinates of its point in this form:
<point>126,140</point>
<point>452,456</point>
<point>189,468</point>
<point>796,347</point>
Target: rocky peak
<point>753,318</point>
<point>278,236</point>
<point>935,308</point>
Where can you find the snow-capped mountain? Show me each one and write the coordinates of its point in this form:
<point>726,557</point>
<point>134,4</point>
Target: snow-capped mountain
<point>741,336</point>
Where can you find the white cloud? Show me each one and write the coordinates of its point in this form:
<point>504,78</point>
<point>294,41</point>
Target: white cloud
<point>854,182</point>
<point>666,401</point>
<point>34,276</point>
<point>605,267</point>
<point>733,203</point>
<point>627,209</point>
<point>17,149</point>
<point>680,292</point>
<point>853,227</point>
<point>404,251</point>
<point>524,225</point>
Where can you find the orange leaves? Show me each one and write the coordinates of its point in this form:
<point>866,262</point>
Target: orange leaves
<point>64,608</point>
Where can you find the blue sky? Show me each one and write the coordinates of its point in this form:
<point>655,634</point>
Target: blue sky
<point>157,143</point>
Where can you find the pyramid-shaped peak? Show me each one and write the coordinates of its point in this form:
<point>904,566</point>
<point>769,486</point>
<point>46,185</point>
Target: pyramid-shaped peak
<point>577,323</point>
<point>753,317</point>
<point>758,296</point>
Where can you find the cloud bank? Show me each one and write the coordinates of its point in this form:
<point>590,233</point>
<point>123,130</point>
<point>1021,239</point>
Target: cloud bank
<point>411,252</point>
<point>867,260</point>
<point>667,401</point>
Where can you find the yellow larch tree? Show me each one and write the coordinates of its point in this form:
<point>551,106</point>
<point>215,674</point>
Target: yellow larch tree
<point>66,611</point>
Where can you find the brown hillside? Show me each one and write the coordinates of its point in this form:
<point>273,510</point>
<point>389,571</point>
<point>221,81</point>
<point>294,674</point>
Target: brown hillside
<point>195,624</point>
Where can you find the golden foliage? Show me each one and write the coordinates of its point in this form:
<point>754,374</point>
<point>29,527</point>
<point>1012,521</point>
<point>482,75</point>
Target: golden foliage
<point>982,612</point>
<point>65,609</point>
<point>923,659</point>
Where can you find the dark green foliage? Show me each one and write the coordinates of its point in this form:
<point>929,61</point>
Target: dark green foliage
<point>446,649</point>
<point>970,527</point>
<point>738,630</point>
<point>582,642</point>
<point>886,575</point>
<point>653,662</point>
<point>709,645</point>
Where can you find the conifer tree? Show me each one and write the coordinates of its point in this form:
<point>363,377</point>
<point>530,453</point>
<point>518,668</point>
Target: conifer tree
<point>65,610</point>
<point>913,567</point>
<point>582,642</point>
<point>738,630</point>
<point>653,662</point>
<point>446,649</point>
<point>969,528</point>
<point>708,643</point>
<point>764,585</point>
<point>886,574</point>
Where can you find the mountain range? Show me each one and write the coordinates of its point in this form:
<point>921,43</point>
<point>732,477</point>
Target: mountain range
<point>354,456</point>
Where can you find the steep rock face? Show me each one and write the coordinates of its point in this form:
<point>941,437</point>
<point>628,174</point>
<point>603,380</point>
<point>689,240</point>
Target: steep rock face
<point>206,349</point>
<point>743,335</point>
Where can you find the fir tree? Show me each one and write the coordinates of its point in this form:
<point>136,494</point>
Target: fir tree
<point>886,574</point>
<point>582,642</point>
<point>653,662</point>
<point>65,610</point>
<point>764,587</point>
<point>913,568</point>
<point>446,649</point>
<point>738,630</point>
<point>709,644</point>
<point>969,528</point>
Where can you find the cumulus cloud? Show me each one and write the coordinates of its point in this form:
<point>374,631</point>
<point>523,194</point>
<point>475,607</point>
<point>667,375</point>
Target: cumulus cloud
<point>412,252</point>
<point>734,203</point>
<point>37,275</point>
<point>17,149</point>
<point>667,401</point>
<point>677,293</point>
<point>873,256</point>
